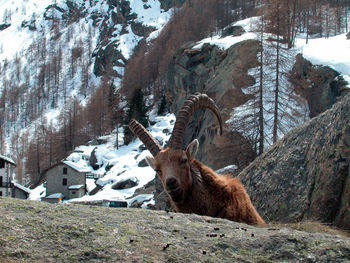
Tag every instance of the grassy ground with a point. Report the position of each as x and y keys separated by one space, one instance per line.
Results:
x=33 y=231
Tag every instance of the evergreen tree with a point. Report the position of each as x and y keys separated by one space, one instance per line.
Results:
x=138 y=111
x=162 y=106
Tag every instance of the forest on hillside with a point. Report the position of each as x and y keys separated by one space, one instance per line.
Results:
x=48 y=74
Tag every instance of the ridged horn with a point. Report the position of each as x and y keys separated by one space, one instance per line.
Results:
x=193 y=103
x=151 y=144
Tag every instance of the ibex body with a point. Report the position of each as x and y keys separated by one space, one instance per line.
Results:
x=192 y=186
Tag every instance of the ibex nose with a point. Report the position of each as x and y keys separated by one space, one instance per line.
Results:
x=171 y=183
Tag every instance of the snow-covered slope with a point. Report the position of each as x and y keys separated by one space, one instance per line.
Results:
x=333 y=52
x=50 y=51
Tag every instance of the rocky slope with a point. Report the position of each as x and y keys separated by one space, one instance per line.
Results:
x=40 y=232
x=320 y=85
x=306 y=174
x=223 y=75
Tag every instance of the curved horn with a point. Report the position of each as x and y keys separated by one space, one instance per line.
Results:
x=151 y=144
x=193 y=103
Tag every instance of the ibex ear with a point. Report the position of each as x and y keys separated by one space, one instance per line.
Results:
x=192 y=149
x=151 y=162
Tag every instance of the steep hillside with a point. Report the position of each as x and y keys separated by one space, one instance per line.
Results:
x=56 y=58
x=39 y=232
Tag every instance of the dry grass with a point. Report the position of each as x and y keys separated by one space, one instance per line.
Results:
x=314 y=227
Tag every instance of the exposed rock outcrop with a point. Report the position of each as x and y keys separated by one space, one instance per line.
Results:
x=93 y=160
x=233 y=31
x=4 y=26
x=306 y=174
x=126 y=183
x=221 y=74
x=320 y=85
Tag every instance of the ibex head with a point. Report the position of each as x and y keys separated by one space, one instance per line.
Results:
x=173 y=165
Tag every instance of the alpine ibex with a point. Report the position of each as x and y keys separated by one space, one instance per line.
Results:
x=192 y=186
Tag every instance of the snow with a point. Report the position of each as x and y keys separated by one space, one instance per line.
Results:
x=228 y=41
x=333 y=52
x=12 y=39
x=7 y=159
x=125 y=162
x=80 y=166
x=225 y=42
x=75 y=187
x=56 y=195
x=141 y=198
x=23 y=188
x=18 y=45
x=37 y=193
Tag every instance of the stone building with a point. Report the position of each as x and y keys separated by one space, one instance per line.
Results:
x=65 y=180
x=19 y=191
x=6 y=169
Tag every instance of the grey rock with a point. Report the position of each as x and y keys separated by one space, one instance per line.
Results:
x=142 y=163
x=233 y=31
x=93 y=160
x=322 y=86
x=125 y=184
x=305 y=176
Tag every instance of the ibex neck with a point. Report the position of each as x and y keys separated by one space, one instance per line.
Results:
x=196 y=200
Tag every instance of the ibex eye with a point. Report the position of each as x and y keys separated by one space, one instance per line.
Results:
x=183 y=160
x=158 y=171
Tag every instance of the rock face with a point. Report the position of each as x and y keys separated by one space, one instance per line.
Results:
x=108 y=52
x=320 y=85
x=221 y=75
x=306 y=174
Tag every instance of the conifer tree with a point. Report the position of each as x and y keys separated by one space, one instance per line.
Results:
x=137 y=110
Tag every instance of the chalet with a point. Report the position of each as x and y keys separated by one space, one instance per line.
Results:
x=19 y=191
x=6 y=169
x=65 y=180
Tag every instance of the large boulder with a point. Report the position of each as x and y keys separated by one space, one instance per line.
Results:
x=305 y=176
x=125 y=183
x=93 y=160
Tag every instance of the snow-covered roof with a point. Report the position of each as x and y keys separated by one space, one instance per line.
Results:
x=79 y=168
x=23 y=188
x=7 y=159
x=75 y=187
x=56 y=195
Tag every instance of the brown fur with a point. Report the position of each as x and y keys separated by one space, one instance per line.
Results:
x=202 y=191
